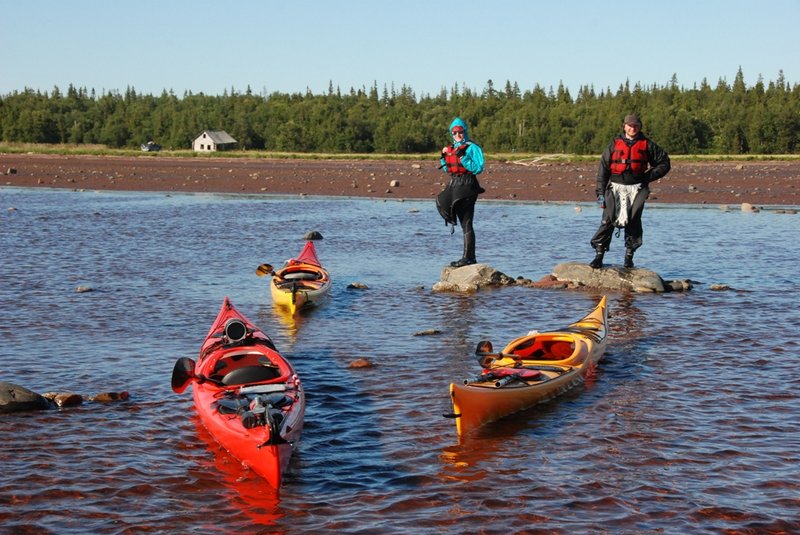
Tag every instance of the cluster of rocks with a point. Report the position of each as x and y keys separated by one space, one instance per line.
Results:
x=16 y=398
x=571 y=275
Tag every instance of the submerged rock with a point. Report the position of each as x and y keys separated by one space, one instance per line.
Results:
x=64 y=399
x=106 y=397
x=548 y=281
x=427 y=332
x=357 y=286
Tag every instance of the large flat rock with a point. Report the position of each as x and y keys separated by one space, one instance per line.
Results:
x=610 y=277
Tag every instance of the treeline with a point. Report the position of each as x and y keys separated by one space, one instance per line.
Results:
x=725 y=119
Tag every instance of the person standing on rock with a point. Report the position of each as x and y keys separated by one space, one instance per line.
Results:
x=628 y=165
x=463 y=161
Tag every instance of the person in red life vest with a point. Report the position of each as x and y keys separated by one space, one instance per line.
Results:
x=463 y=161
x=629 y=163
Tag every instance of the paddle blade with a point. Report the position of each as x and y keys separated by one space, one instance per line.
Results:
x=182 y=374
x=275 y=438
x=485 y=361
x=484 y=347
x=264 y=269
x=484 y=353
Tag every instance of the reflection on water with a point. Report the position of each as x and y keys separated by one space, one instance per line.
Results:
x=688 y=426
x=245 y=491
x=289 y=323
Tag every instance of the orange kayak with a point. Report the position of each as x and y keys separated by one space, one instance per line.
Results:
x=529 y=370
x=302 y=282
x=247 y=394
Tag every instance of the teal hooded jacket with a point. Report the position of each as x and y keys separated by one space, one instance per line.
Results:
x=473 y=157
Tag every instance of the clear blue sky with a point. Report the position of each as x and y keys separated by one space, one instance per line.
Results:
x=292 y=46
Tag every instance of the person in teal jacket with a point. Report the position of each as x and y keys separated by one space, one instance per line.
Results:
x=463 y=161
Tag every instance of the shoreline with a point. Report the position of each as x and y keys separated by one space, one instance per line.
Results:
x=760 y=183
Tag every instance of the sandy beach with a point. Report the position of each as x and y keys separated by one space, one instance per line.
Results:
x=728 y=182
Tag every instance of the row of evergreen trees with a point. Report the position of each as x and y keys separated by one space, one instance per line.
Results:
x=726 y=119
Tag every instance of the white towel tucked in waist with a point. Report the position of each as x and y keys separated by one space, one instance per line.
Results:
x=623 y=195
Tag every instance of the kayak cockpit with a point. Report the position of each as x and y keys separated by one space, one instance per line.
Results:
x=300 y=275
x=249 y=367
x=541 y=346
x=297 y=278
x=248 y=375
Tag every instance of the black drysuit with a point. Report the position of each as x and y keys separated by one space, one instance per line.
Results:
x=658 y=166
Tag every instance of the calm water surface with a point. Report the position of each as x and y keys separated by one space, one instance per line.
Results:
x=690 y=425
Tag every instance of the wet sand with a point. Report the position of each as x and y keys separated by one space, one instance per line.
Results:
x=726 y=182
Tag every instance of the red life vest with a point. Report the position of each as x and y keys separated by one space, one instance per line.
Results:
x=629 y=157
x=451 y=159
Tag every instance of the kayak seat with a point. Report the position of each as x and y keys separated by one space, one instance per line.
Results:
x=558 y=349
x=302 y=276
x=530 y=350
x=250 y=374
x=537 y=349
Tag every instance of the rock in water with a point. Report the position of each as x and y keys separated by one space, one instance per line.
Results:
x=470 y=278
x=14 y=398
x=106 y=397
x=64 y=399
x=612 y=277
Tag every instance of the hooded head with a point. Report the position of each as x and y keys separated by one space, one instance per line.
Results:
x=459 y=123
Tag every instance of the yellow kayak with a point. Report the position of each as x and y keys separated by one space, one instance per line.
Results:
x=529 y=370
x=301 y=283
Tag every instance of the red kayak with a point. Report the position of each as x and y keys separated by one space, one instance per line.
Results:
x=247 y=395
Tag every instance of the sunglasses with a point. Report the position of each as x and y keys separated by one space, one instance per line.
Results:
x=457 y=131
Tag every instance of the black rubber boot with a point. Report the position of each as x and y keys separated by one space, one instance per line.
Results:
x=597 y=263
x=468 y=257
x=463 y=262
x=628 y=259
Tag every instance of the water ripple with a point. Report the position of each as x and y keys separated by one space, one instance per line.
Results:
x=689 y=425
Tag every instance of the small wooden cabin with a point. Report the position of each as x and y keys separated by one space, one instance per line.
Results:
x=213 y=140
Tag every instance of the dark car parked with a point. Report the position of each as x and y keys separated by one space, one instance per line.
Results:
x=151 y=147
